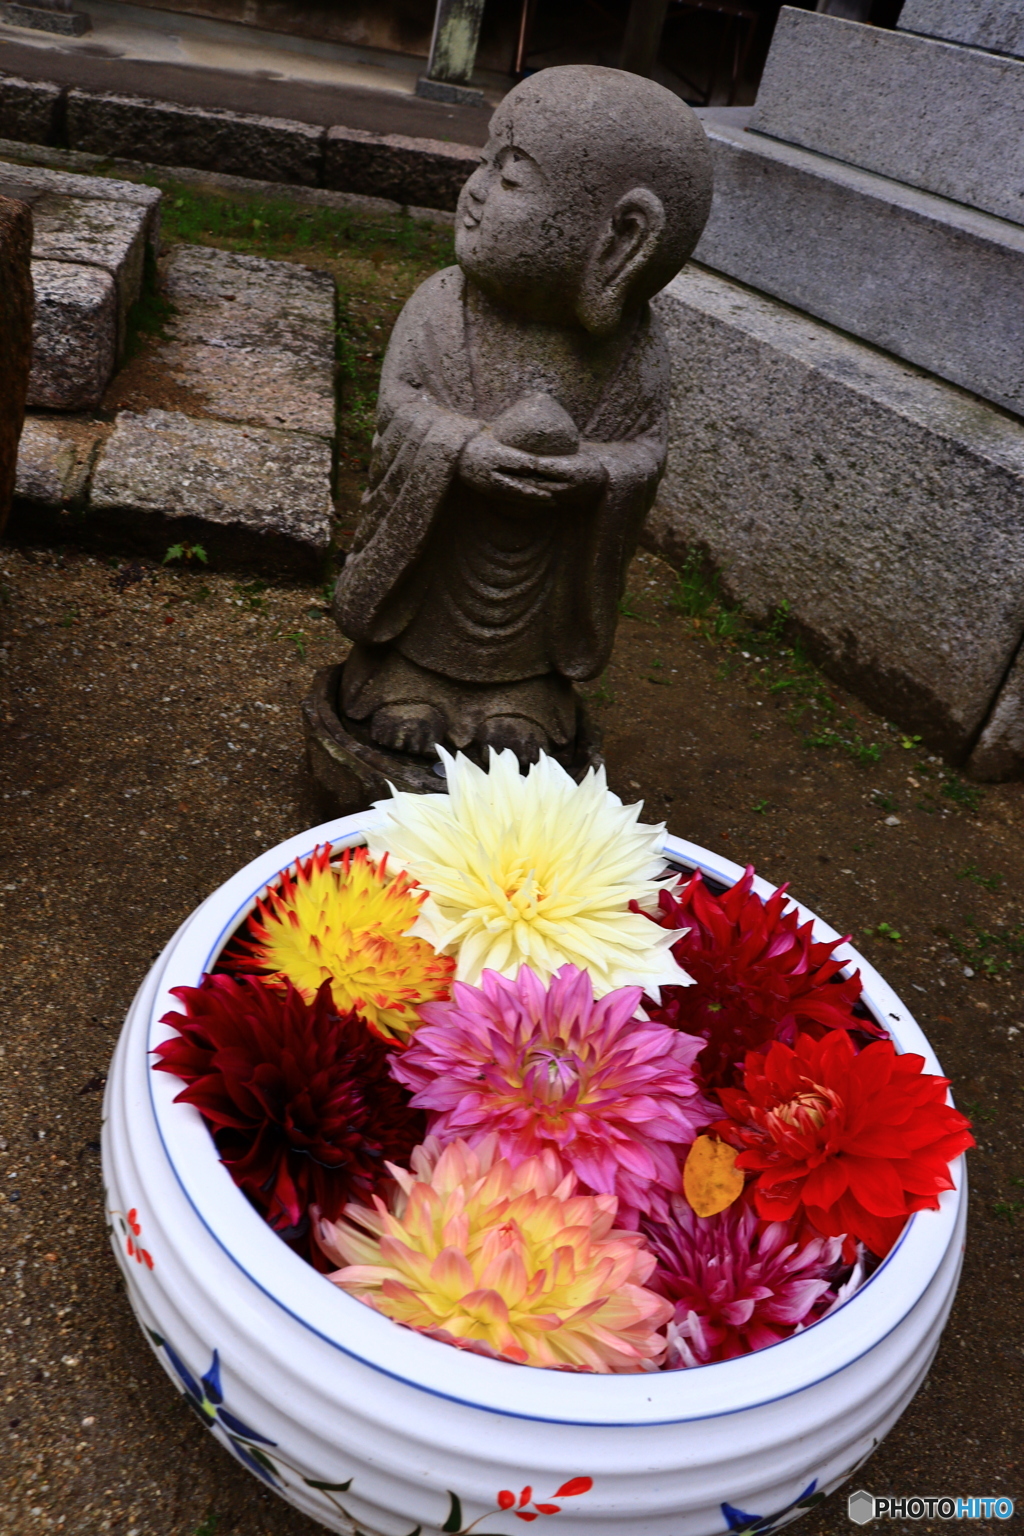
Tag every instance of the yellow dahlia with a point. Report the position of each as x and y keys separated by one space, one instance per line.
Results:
x=532 y=870
x=346 y=921
x=507 y=1262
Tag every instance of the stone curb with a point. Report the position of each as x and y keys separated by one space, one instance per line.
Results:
x=394 y=166
x=415 y=173
x=87 y=170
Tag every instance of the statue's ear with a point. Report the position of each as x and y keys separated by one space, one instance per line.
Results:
x=621 y=251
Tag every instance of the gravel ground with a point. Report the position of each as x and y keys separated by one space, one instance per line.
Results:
x=152 y=746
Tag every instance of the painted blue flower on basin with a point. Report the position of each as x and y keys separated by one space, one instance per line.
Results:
x=206 y=1398
x=738 y=1520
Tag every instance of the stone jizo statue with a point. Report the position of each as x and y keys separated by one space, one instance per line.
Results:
x=521 y=431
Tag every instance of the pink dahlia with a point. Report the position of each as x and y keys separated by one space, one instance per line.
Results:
x=549 y=1068
x=759 y=976
x=737 y=1285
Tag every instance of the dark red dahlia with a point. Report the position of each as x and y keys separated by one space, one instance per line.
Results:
x=759 y=976
x=299 y=1098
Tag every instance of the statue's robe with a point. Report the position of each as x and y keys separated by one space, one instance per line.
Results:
x=473 y=588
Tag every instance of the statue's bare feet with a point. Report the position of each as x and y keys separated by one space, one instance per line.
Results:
x=526 y=738
x=408 y=727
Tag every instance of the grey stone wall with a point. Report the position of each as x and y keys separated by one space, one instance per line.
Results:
x=885 y=507
x=995 y=24
x=925 y=278
x=927 y=113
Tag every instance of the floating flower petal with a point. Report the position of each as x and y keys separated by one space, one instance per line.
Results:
x=533 y=870
x=502 y=1261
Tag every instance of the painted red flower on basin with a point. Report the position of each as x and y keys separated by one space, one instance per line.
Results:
x=131 y=1228
x=759 y=975
x=858 y=1141
x=523 y=1506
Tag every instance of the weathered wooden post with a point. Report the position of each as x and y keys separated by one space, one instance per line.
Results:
x=15 y=338
x=453 y=53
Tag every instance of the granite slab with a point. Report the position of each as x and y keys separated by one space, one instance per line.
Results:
x=925 y=278
x=250 y=492
x=885 y=507
x=934 y=115
x=994 y=24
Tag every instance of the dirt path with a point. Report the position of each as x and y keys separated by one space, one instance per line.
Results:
x=152 y=746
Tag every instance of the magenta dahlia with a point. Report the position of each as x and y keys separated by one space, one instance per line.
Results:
x=298 y=1096
x=737 y=1284
x=613 y=1095
x=759 y=976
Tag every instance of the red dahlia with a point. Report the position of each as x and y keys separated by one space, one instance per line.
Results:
x=759 y=976
x=859 y=1141
x=299 y=1097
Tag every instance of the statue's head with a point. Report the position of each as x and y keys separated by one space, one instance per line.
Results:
x=592 y=192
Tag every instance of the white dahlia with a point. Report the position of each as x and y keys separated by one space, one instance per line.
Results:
x=533 y=870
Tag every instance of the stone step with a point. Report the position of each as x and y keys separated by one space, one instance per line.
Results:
x=255 y=338
x=994 y=24
x=91 y=233
x=74 y=335
x=248 y=472
x=932 y=114
x=35 y=180
x=927 y=279
x=55 y=459
x=259 y=497
x=88 y=253
x=884 y=506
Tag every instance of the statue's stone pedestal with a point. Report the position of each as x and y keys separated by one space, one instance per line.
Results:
x=355 y=772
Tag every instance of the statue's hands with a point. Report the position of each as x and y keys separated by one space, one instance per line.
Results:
x=511 y=475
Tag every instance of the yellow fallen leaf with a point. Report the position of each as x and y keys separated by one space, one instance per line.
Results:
x=711 y=1179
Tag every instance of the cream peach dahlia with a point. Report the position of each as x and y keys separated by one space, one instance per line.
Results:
x=502 y=1261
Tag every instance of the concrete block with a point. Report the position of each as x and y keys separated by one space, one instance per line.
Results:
x=55 y=457
x=15 y=337
x=95 y=234
x=65 y=23
x=925 y=278
x=928 y=113
x=74 y=336
x=885 y=507
x=163 y=133
x=416 y=172
x=34 y=181
x=253 y=338
x=253 y=494
x=29 y=110
x=999 y=754
x=994 y=24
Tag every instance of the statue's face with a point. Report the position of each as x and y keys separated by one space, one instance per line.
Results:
x=519 y=232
